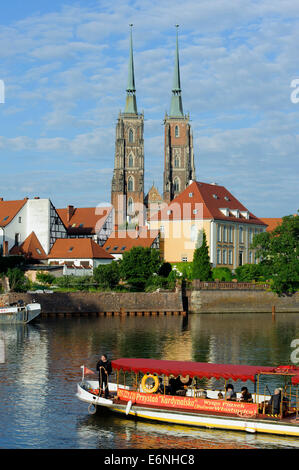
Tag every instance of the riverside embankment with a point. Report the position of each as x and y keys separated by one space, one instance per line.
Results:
x=221 y=299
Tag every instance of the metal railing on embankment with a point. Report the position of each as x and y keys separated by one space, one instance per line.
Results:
x=216 y=285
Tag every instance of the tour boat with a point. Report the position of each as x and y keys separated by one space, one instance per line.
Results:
x=19 y=313
x=145 y=393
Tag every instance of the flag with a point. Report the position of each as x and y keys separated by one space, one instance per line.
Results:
x=87 y=371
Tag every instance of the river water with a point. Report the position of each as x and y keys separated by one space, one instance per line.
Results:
x=40 y=366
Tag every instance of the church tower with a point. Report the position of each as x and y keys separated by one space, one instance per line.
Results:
x=179 y=166
x=127 y=192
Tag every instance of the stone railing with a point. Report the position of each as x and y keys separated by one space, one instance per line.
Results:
x=201 y=285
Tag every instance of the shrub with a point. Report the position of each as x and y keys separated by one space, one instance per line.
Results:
x=45 y=278
x=107 y=275
x=223 y=274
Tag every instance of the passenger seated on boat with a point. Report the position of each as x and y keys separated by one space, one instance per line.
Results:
x=203 y=394
x=275 y=401
x=220 y=396
x=230 y=393
x=245 y=395
x=178 y=383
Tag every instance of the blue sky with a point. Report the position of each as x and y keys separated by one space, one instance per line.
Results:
x=64 y=65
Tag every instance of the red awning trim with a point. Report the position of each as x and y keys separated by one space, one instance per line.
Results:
x=193 y=369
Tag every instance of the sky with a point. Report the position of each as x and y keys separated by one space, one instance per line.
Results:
x=64 y=68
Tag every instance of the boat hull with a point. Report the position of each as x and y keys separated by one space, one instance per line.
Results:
x=182 y=417
x=23 y=315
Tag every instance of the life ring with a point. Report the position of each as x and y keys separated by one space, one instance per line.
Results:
x=149 y=387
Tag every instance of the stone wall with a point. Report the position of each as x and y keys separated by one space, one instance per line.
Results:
x=89 y=302
x=240 y=301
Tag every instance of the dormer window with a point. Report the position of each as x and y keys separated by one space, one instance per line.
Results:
x=226 y=198
x=215 y=196
x=190 y=194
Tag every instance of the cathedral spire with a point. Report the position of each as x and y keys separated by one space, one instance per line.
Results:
x=131 y=105
x=176 y=107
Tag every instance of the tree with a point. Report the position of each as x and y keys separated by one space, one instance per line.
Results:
x=201 y=267
x=138 y=265
x=18 y=282
x=45 y=278
x=279 y=250
x=107 y=275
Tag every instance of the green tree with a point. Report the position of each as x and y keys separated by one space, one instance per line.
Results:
x=107 y=275
x=222 y=274
x=201 y=266
x=18 y=282
x=138 y=265
x=279 y=251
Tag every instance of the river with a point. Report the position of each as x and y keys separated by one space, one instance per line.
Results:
x=40 y=366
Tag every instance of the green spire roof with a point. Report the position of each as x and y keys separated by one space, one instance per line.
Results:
x=176 y=107
x=131 y=105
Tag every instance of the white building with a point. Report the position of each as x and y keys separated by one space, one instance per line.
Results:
x=18 y=219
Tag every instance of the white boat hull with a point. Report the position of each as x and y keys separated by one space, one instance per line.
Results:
x=17 y=314
x=181 y=417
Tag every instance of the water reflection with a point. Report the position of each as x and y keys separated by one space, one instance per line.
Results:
x=42 y=366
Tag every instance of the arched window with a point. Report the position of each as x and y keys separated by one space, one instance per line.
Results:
x=176 y=184
x=131 y=136
x=131 y=183
x=177 y=131
x=131 y=160
x=130 y=205
x=177 y=162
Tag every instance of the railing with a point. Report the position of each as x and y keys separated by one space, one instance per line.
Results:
x=216 y=285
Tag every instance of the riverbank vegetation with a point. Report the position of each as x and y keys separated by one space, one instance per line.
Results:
x=141 y=269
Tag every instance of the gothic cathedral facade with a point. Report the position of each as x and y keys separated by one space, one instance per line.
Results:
x=127 y=192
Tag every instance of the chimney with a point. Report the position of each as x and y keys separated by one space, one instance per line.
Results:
x=5 y=248
x=70 y=212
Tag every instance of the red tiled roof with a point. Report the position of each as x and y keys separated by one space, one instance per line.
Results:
x=9 y=209
x=187 y=205
x=31 y=248
x=83 y=220
x=124 y=240
x=271 y=222
x=77 y=248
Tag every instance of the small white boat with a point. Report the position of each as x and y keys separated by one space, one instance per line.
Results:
x=19 y=313
x=146 y=396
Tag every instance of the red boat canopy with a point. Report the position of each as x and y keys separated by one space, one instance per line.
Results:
x=193 y=369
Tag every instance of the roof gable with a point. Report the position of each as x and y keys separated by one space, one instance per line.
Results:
x=30 y=248
x=9 y=209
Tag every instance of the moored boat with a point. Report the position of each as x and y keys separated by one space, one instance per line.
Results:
x=172 y=392
x=19 y=313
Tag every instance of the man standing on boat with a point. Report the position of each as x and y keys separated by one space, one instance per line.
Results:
x=105 y=369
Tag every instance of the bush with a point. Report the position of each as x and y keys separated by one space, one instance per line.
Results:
x=165 y=270
x=252 y=272
x=183 y=269
x=45 y=278
x=107 y=275
x=138 y=265
x=223 y=274
x=156 y=282
x=18 y=282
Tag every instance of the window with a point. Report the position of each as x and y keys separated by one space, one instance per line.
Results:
x=123 y=248
x=230 y=233
x=250 y=257
x=218 y=256
x=224 y=256
x=177 y=162
x=131 y=136
x=225 y=234
x=215 y=196
x=131 y=161
x=230 y=257
x=176 y=184
x=20 y=220
x=190 y=194
x=38 y=251
x=250 y=235
x=184 y=258
x=130 y=205
x=71 y=248
x=241 y=235
x=115 y=248
x=177 y=131
x=218 y=233
x=131 y=183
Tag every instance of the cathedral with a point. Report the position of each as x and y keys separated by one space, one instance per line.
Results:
x=127 y=191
